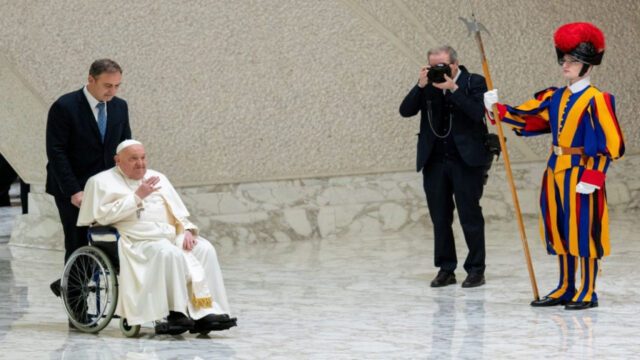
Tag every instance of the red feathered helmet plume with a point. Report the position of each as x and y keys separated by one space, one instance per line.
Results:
x=582 y=41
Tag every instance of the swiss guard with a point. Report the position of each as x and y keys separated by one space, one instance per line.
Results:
x=585 y=138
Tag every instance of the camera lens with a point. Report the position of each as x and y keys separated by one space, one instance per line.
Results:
x=436 y=73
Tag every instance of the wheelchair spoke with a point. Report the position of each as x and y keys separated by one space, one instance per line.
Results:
x=77 y=273
x=86 y=267
x=74 y=302
x=74 y=275
x=90 y=289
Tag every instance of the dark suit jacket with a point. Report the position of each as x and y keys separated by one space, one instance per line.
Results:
x=74 y=148
x=468 y=126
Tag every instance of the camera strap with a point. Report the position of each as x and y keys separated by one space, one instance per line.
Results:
x=429 y=116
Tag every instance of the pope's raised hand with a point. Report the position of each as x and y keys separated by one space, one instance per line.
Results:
x=148 y=186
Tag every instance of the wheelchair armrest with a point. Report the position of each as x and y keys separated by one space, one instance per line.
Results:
x=101 y=229
x=102 y=233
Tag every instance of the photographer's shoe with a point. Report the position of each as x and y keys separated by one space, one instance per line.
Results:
x=443 y=278
x=473 y=280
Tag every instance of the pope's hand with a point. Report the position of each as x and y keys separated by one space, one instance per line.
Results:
x=585 y=188
x=148 y=186
x=189 y=241
x=490 y=98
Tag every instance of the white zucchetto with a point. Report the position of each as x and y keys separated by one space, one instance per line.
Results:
x=126 y=144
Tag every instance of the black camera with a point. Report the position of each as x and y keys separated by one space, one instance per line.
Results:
x=492 y=144
x=436 y=73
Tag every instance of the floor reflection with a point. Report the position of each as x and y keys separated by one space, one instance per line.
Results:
x=158 y=348
x=351 y=298
x=576 y=333
x=443 y=324
x=13 y=298
x=473 y=341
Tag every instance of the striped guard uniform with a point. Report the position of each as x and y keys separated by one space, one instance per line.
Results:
x=586 y=137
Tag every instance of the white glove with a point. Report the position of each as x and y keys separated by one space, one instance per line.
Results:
x=490 y=98
x=585 y=188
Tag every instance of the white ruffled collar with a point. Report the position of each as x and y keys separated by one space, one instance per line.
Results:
x=580 y=85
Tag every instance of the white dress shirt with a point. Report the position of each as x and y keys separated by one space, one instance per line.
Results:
x=93 y=103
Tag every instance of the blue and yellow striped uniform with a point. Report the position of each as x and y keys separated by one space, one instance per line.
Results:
x=572 y=224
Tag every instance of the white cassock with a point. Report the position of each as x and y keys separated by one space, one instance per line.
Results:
x=156 y=274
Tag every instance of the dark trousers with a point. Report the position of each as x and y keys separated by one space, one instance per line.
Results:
x=74 y=236
x=7 y=177
x=447 y=178
x=24 y=196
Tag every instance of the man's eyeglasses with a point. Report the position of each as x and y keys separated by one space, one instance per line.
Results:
x=568 y=60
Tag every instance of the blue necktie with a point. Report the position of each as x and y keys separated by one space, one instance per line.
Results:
x=102 y=119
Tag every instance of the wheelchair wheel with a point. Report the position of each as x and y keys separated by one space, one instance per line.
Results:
x=127 y=330
x=89 y=289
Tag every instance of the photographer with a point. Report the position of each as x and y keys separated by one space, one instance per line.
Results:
x=452 y=157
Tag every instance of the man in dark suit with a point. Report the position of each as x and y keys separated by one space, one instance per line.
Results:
x=84 y=128
x=453 y=159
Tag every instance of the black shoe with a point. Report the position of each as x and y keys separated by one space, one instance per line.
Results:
x=443 y=278
x=473 y=280
x=55 y=288
x=214 y=318
x=581 y=305
x=165 y=329
x=213 y=322
x=548 y=301
x=177 y=323
x=179 y=319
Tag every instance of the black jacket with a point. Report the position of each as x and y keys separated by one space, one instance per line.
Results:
x=468 y=128
x=75 y=150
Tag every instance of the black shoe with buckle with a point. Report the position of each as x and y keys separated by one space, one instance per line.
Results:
x=580 y=305
x=548 y=301
x=443 y=278
x=473 y=280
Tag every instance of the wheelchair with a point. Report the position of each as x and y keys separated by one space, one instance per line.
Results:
x=89 y=283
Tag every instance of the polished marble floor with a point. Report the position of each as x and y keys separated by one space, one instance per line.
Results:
x=352 y=298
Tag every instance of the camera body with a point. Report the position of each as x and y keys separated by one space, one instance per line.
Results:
x=436 y=73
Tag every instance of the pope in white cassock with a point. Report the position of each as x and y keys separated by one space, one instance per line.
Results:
x=166 y=269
